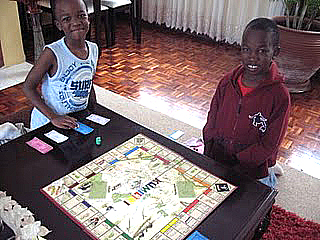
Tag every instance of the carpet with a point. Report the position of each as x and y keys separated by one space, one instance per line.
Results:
x=13 y=75
x=288 y=225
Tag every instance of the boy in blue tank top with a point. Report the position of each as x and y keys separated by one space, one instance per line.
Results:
x=65 y=68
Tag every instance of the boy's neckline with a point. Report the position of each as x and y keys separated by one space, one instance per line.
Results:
x=240 y=79
x=255 y=83
x=73 y=53
x=244 y=89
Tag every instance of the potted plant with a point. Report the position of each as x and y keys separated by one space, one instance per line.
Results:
x=35 y=11
x=300 y=43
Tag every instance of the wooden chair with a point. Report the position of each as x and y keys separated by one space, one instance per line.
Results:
x=134 y=12
x=98 y=13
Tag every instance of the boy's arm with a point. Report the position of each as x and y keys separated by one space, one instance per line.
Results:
x=211 y=119
x=33 y=80
x=257 y=154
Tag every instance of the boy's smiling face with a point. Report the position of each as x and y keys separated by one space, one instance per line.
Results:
x=72 y=19
x=257 y=51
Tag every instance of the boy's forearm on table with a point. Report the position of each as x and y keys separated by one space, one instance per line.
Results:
x=257 y=153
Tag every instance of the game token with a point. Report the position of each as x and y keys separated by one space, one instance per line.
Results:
x=98 y=140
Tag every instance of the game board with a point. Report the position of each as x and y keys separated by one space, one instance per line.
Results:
x=138 y=190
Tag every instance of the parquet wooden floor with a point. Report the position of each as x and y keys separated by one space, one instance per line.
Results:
x=177 y=74
x=169 y=72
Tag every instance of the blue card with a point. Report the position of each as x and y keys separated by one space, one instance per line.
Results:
x=197 y=236
x=84 y=129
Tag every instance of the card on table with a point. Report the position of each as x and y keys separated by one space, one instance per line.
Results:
x=196 y=235
x=176 y=134
x=39 y=145
x=56 y=136
x=82 y=128
x=98 y=119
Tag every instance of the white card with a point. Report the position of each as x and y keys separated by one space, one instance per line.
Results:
x=98 y=119
x=176 y=134
x=56 y=136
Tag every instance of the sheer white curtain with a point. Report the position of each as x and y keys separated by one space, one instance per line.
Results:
x=220 y=19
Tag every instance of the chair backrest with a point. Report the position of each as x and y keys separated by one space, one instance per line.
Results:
x=48 y=4
x=115 y=3
x=52 y=8
x=95 y=6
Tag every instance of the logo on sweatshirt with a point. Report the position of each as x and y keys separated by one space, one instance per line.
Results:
x=259 y=121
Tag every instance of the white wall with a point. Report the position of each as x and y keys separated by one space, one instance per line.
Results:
x=10 y=34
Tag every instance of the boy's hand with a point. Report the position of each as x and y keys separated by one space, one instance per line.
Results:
x=64 y=121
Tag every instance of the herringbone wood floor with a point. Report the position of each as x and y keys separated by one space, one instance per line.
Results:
x=177 y=73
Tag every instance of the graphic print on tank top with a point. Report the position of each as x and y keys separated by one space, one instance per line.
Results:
x=76 y=85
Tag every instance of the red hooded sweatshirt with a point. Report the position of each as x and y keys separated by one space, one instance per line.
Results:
x=247 y=130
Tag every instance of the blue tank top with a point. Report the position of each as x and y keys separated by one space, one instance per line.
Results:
x=69 y=88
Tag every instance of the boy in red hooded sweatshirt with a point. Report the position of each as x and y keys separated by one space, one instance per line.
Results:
x=248 y=115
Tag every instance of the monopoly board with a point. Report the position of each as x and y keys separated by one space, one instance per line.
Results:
x=138 y=190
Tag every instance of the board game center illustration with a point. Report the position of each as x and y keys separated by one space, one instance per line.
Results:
x=138 y=190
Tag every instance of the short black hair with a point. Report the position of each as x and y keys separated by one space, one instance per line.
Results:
x=267 y=25
x=53 y=4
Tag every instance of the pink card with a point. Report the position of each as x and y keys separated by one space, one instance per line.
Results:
x=39 y=145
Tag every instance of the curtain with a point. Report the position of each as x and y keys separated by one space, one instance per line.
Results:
x=219 y=19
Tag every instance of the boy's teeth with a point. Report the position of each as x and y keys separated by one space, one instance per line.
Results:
x=252 y=66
